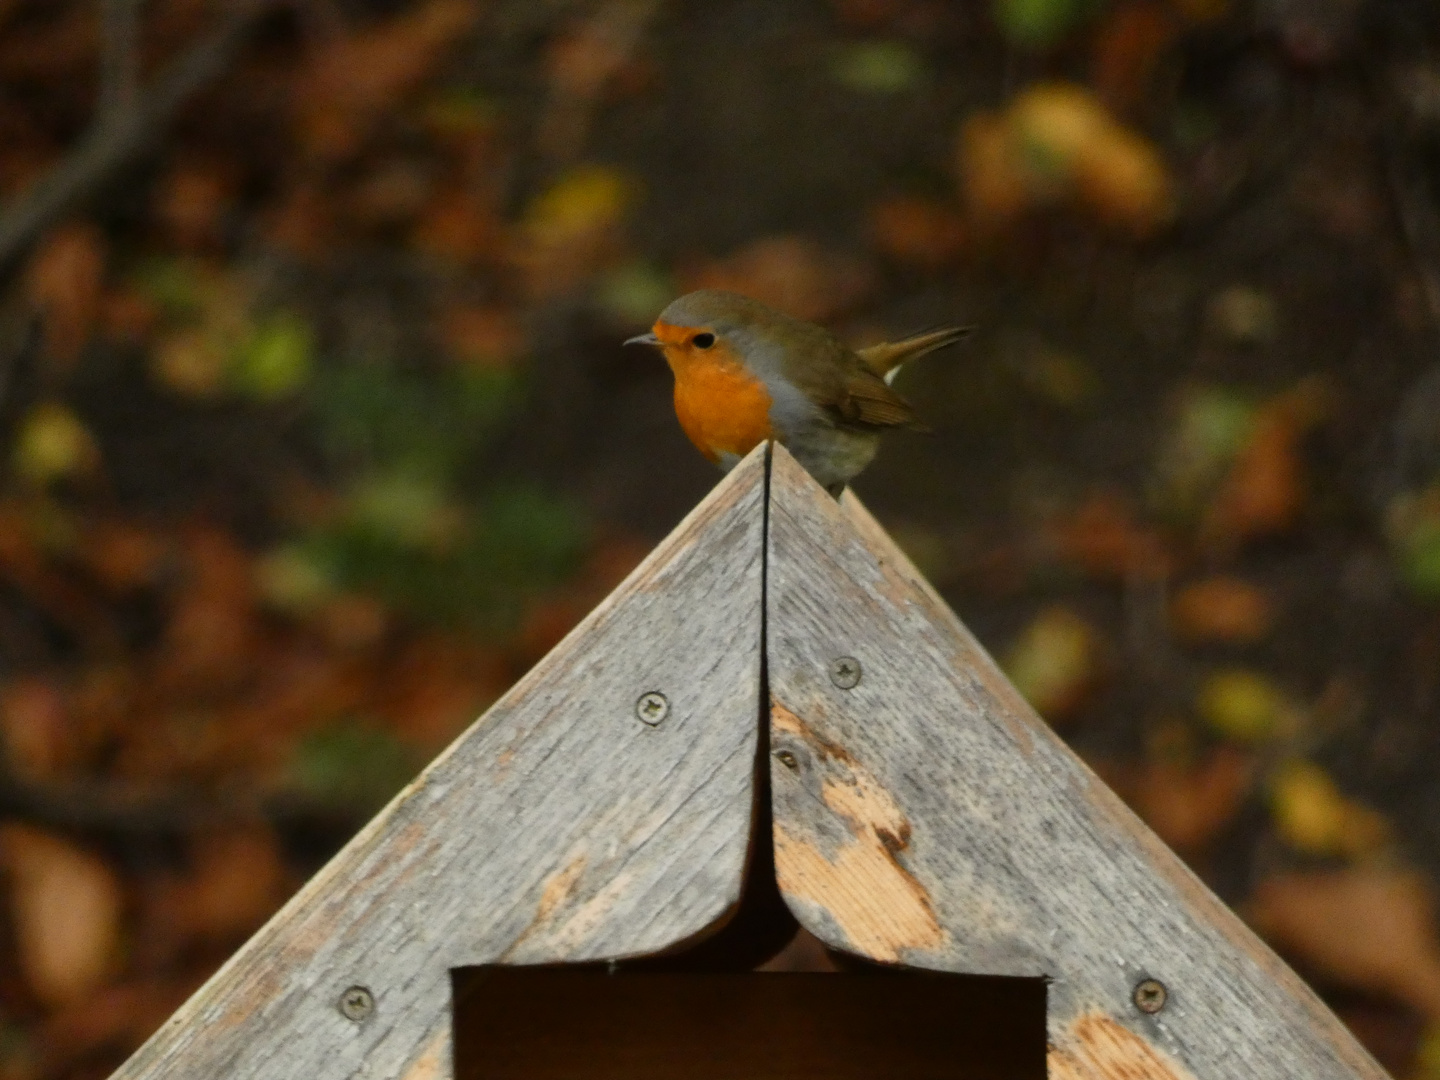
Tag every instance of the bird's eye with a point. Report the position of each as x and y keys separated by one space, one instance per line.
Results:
x=703 y=341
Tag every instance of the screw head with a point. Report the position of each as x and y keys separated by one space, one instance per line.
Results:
x=652 y=708
x=845 y=672
x=1150 y=996
x=786 y=758
x=357 y=1003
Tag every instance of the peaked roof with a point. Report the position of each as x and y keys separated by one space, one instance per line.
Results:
x=922 y=815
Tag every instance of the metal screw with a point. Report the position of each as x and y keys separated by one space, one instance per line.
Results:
x=845 y=672
x=788 y=759
x=357 y=1003
x=652 y=708
x=1150 y=996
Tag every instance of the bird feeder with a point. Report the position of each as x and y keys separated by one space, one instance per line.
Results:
x=775 y=704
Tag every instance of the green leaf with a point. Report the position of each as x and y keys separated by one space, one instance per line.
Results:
x=878 y=67
x=352 y=764
x=277 y=360
x=1038 y=24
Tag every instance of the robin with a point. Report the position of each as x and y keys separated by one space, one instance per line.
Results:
x=745 y=373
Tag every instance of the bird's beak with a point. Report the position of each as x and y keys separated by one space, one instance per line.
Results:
x=644 y=339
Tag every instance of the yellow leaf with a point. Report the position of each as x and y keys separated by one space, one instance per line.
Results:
x=53 y=445
x=1314 y=817
x=586 y=198
x=66 y=907
x=1246 y=706
x=1055 y=662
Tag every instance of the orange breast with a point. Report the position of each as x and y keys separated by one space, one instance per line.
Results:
x=722 y=407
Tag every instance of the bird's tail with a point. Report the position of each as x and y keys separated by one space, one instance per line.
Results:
x=886 y=358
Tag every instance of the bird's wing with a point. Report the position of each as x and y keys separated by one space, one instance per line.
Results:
x=885 y=358
x=867 y=400
x=843 y=385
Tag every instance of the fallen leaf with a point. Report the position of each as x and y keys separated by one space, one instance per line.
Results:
x=65 y=281
x=1104 y=538
x=191 y=363
x=235 y=881
x=36 y=732
x=356 y=79
x=123 y=555
x=1247 y=706
x=792 y=274
x=1128 y=49
x=1264 y=491
x=1224 y=609
x=1241 y=315
x=66 y=908
x=192 y=201
x=1038 y=24
x=391 y=194
x=114 y=1019
x=1368 y=927
x=1314 y=817
x=917 y=231
x=1207 y=429
x=1055 y=663
x=1187 y=804
x=458 y=226
x=54 y=444
x=573 y=228
x=993 y=177
x=211 y=639
x=878 y=67
x=483 y=337
x=1055 y=144
x=277 y=359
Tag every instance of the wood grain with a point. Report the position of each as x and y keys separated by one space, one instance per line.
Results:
x=557 y=828
x=928 y=817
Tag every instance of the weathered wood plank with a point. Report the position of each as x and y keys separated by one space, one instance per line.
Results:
x=927 y=816
x=559 y=827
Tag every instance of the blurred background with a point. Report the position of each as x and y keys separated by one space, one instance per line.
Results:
x=316 y=431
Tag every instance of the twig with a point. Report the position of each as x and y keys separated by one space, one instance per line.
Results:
x=119 y=57
x=123 y=809
x=121 y=130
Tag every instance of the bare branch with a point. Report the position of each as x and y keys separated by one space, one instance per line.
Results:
x=119 y=57
x=117 y=135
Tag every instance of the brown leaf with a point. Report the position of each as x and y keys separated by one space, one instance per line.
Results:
x=1221 y=609
x=482 y=337
x=65 y=280
x=66 y=907
x=917 y=231
x=37 y=735
x=1104 y=538
x=353 y=81
x=1056 y=663
x=457 y=226
x=115 y=1018
x=236 y=881
x=123 y=555
x=1369 y=927
x=438 y=686
x=1128 y=49
x=211 y=640
x=1264 y=491
x=792 y=274
x=1188 y=804
x=191 y=202
x=993 y=180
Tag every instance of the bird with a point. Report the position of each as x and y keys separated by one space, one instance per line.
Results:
x=745 y=372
